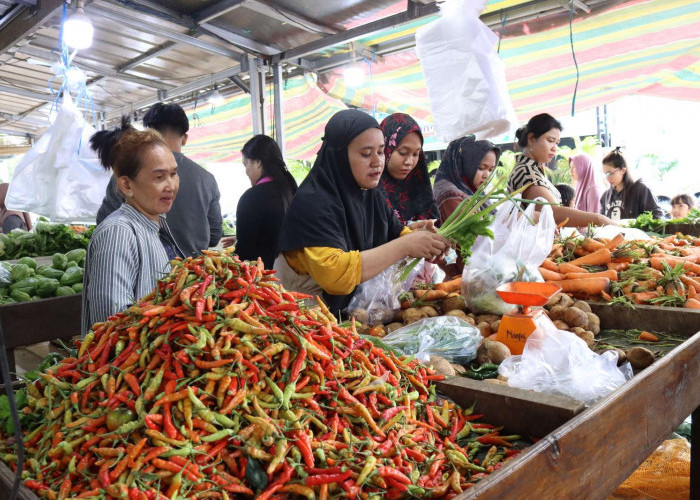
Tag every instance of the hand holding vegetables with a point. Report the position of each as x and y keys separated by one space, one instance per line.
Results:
x=424 y=245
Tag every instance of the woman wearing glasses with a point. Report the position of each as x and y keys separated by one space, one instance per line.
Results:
x=626 y=198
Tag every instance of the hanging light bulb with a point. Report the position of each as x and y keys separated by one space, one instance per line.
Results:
x=354 y=75
x=78 y=30
x=215 y=98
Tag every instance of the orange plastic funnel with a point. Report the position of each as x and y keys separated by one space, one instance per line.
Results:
x=527 y=294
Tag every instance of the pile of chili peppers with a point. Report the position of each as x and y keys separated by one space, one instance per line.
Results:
x=222 y=384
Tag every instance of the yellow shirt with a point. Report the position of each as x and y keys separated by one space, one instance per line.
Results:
x=336 y=271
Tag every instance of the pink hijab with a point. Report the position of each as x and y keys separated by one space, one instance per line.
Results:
x=588 y=193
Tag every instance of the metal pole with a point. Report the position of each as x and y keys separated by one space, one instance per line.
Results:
x=279 y=105
x=255 y=94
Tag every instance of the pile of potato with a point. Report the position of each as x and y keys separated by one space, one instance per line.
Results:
x=574 y=316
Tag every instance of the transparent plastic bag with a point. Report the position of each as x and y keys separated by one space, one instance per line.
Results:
x=60 y=177
x=447 y=336
x=376 y=301
x=474 y=98
x=558 y=362
x=514 y=254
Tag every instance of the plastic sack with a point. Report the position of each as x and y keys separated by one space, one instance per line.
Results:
x=376 y=301
x=448 y=336
x=558 y=362
x=514 y=254
x=664 y=475
x=464 y=73
x=60 y=177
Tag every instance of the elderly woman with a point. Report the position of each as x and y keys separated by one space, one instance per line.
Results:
x=132 y=248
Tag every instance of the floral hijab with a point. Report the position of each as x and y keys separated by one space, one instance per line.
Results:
x=411 y=198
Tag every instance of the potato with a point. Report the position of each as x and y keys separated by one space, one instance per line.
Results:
x=561 y=325
x=554 y=301
x=461 y=315
x=487 y=318
x=495 y=325
x=453 y=303
x=587 y=336
x=492 y=352
x=557 y=313
x=593 y=323
x=640 y=357
x=575 y=317
x=393 y=326
x=459 y=369
x=566 y=301
x=472 y=315
x=485 y=329
x=360 y=315
x=429 y=311
x=621 y=356
x=577 y=330
x=441 y=365
x=580 y=304
x=362 y=329
x=412 y=315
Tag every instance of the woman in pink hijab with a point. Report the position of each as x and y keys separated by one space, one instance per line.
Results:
x=588 y=193
x=10 y=219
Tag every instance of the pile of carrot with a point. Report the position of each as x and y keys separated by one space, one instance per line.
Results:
x=220 y=384
x=665 y=271
x=432 y=294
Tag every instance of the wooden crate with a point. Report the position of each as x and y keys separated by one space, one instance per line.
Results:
x=672 y=320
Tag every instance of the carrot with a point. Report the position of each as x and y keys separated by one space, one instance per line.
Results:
x=692 y=293
x=567 y=267
x=618 y=266
x=658 y=263
x=692 y=304
x=590 y=245
x=453 y=285
x=648 y=336
x=641 y=297
x=597 y=258
x=685 y=258
x=610 y=274
x=430 y=295
x=615 y=242
x=590 y=286
x=550 y=265
x=551 y=275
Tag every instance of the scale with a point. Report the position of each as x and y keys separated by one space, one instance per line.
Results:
x=518 y=325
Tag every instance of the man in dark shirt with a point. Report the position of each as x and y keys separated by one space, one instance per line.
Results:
x=198 y=198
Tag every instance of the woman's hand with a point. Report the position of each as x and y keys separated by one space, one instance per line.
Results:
x=424 y=245
x=423 y=225
x=605 y=221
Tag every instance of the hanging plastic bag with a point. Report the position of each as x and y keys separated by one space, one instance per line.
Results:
x=464 y=73
x=447 y=336
x=558 y=362
x=376 y=301
x=60 y=177
x=514 y=254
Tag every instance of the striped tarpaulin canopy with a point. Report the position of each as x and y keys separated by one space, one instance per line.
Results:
x=218 y=134
x=648 y=47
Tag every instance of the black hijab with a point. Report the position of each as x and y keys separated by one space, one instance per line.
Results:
x=461 y=161
x=330 y=209
x=412 y=197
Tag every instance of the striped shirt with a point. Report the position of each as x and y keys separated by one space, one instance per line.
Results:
x=125 y=259
x=527 y=171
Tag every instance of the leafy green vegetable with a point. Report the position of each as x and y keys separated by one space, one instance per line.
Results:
x=647 y=222
x=45 y=239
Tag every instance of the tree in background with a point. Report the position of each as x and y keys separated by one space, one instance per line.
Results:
x=587 y=145
x=656 y=165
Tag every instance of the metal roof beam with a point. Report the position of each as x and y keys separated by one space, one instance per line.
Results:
x=271 y=9
x=175 y=92
x=18 y=133
x=216 y=10
x=146 y=56
x=21 y=26
x=51 y=56
x=37 y=96
x=239 y=40
x=29 y=120
x=413 y=12
x=139 y=24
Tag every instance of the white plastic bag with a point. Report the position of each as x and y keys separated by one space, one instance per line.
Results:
x=376 y=301
x=558 y=362
x=464 y=73
x=448 y=336
x=515 y=253
x=60 y=177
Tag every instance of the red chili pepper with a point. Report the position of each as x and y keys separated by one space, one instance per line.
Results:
x=296 y=366
x=494 y=440
x=471 y=418
x=319 y=479
x=511 y=452
x=304 y=446
x=391 y=412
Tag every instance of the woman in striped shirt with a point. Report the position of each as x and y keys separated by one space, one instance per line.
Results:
x=539 y=140
x=132 y=248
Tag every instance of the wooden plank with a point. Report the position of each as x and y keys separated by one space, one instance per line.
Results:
x=695 y=455
x=688 y=229
x=29 y=323
x=592 y=454
x=7 y=477
x=519 y=411
x=672 y=320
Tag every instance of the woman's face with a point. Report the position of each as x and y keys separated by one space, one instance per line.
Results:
x=679 y=210
x=253 y=169
x=614 y=176
x=366 y=156
x=153 y=190
x=572 y=171
x=486 y=166
x=405 y=156
x=544 y=148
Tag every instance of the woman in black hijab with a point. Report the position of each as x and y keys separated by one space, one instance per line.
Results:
x=405 y=180
x=339 y=231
